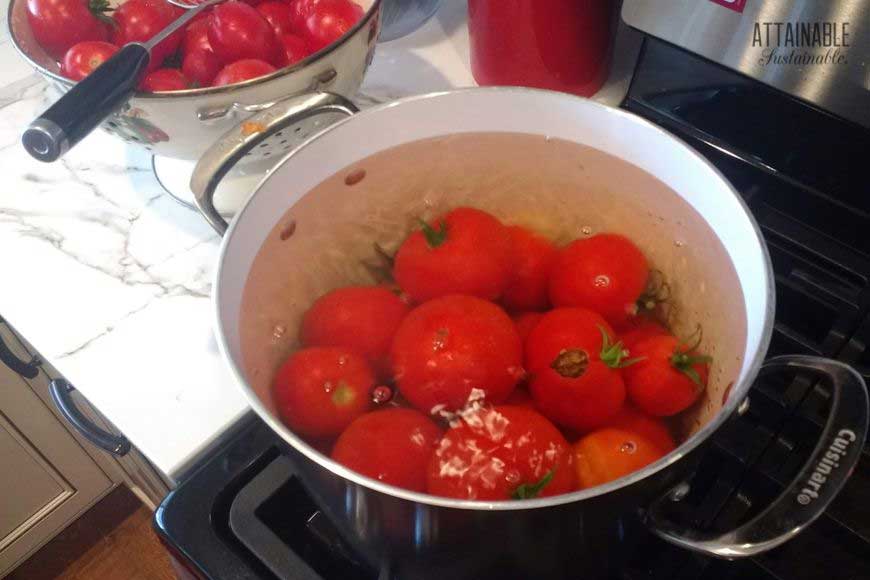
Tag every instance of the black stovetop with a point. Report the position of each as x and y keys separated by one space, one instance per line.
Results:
x=243 y=515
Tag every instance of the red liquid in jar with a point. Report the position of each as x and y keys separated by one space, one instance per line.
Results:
x=550 y=44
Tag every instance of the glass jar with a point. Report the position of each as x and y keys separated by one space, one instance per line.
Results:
x=561 y=45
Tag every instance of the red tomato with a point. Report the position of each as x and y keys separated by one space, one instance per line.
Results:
x=242 y=70
x=201 y=66
x=393 y=446
x=501 y=453
x=525 y=322
x=653 y=429
x=640 y=329
x=454 y=347
x=465 y=251
x=608 y=454
x=278 y=15
x=606 y=273
x=59 y=24
x=329 y=20
x=195 y=36
x=320 y=391
x=139 y=20
x=299 y=10
x=668 y=378
x=533 y=257
x=574 y=371
x=295 y=48
x=82 y=58
x=363 y=318
x=164 y=79
x=237 y=31
x=520 y=397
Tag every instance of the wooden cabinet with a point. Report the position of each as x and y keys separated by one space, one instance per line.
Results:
x=46 y=476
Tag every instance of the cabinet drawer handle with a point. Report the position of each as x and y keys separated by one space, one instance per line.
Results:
x=28 y=370
x=61 y=394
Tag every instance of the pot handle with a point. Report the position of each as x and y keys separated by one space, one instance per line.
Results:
x=238 y=141
x=807 y=496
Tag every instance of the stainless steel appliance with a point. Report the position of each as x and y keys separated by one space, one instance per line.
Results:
x=817 y=50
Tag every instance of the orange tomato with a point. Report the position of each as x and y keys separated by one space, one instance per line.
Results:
x=610 y=453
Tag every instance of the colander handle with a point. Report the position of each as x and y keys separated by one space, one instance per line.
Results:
x=86 y=105
x=808 y=494
x=237 y=142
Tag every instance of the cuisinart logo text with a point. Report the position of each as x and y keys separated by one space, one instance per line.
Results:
x=826 y=464
x=801 y=43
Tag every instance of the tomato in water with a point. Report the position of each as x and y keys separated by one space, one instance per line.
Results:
x=669 y=377
x=610 y=453
x=606 y=273
x=393 y=446
x=319 y=391
x=526 y=322
x=501 y=453
x=164 y=79
x=299 y=10
x=454 y=348
x=465 y=251
x=278 y=15
x=652 y=428
x=574 y=365
x=533 y=258
x=236 y=31
x=139 y=20
x=57 y=25
x=82 y=58
x=195 y=36
x=640 y=329
x=242 y=70
x=363 y=318
x=329 y=20
x=295 y=48
x=201 y=66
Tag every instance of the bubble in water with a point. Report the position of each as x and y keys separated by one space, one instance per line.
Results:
x=601 y=281
x=382 y=394
x=342 y=360
x=279 y=331
x=440 y=341
x=512 y=476
x=679 y=243
x=586 y=231
x=628 y=447
x=328 y=386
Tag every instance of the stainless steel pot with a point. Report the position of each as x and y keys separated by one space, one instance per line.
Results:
x=183 y=124
x=574 y=167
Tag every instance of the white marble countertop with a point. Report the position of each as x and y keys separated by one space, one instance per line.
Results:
x=110 y=278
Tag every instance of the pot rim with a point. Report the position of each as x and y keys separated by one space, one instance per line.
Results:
x=374 y=10
x=736 y=396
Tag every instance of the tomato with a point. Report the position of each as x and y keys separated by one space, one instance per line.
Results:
x=653 y=429
x=295 y=48
x=320 y=391
x=606 y=273
x=299 y=10
x=393 y=446
x=57 y=25
x=164 y=79
x=640 y=329
x=237 y=31
x=501 y=453
x=668 y=378
x=329 y=20
x=533 y=258
x=609 y=454
x=82 y=58
x=363 y=318
x=195 y=36
x=521 y=397
x=201 y=66
x=525 y=322
x=242 y=70
x=278 y=15
x=575 y=379
x=139 y=20
x=465 y=251
x=454 y=348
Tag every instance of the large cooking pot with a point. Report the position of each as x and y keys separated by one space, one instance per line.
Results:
x=183 y=124
x=569 y=167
